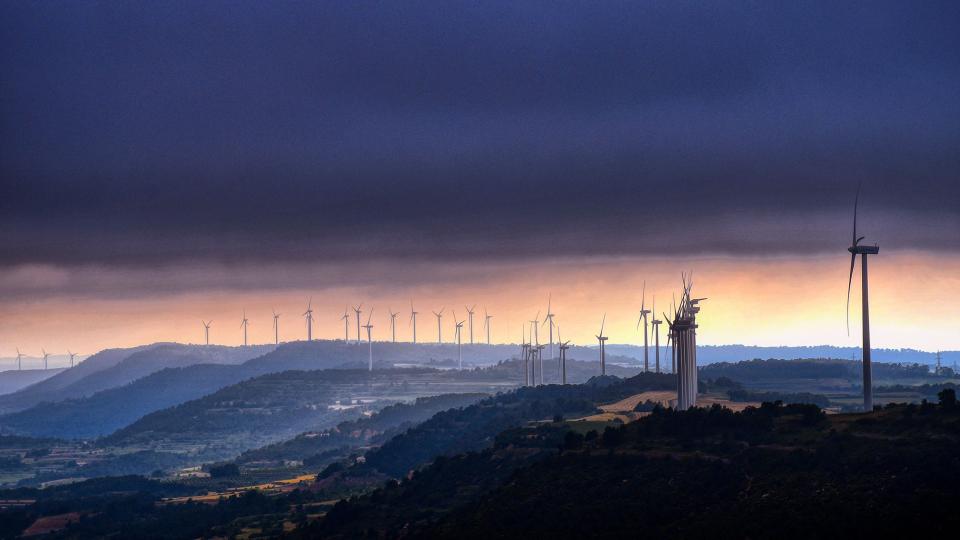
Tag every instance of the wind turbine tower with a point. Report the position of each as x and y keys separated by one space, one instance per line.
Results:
x=486 y=323
x=549 y=319
x=602 y=340
x=563 y=345
x=346 y=325
x=358 y=311
x=525 y=354
x=439 y=315
x=276 y=328
x=643 y=317
x=470 y=319
x=863 y=251
x=45 y=356
x=393 y=325
x=309 y=315
x=656 y=334
x=413 y=320
x=683 y=332
x=206 y=330
x=244 y=324
x=72 y=356
x=369 y=327
x=19 y=360
x=459 y=331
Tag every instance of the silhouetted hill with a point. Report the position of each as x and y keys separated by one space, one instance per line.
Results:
x=15 y=379
x=117 y=367
x=278 y=406
x=769 y=472
x=816 y=374
x=375 y=429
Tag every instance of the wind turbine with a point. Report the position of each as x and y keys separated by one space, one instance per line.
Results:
x=863 y=251
x=486 y=323
x=276 y=328
x=71 y=355
x=656 y=332
x=45 y=356
x=309 y=315
x=413 y=320
x=439 y=328
x=523 y=353
x=369 y=327
x=602 y=340
x=549 y=318
x=643 y=317
x=206 y=330
x=358 y=311
x=19 y=360
x=470 y=318
x=346 y=324
x=535 y=341
x=563 y=345
x=243 y=324
x=459 y=331
x=393 y=324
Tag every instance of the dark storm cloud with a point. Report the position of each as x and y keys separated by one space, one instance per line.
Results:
x=138 y=133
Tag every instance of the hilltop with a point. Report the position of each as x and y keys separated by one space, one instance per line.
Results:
x=117 y=367
x=704 y=472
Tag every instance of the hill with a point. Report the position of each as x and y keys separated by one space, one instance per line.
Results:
x=278 y=406
x=15 y=379
x=117 y=367
x=773 y=471
x=314 y=447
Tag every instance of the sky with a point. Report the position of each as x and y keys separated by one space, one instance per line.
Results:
x=166 y=162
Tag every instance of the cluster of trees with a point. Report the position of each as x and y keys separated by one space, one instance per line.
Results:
x=775 y=470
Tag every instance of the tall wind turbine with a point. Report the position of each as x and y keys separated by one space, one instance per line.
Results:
x=549 y=319
x=656 y=333
x=459 y=331
x=369 y=327
x=19 y=360
x=863 y=251
x=486 y=323
x=346 y=324
x=393 y=324
x=643 y=317
x=413 y=320
x=523 y=354
x=206 y=330
x=563 y=345
x=439 y=315
x=45 y=356
x=71 y=355
x=470 y=318
x=602 y=339
x=243 y=324
x=276 y=328
x=535 y=341
x=309 y=317
x=358 y=311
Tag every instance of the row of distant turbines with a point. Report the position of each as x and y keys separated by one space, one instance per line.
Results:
x=46 y=358
x=358 y=310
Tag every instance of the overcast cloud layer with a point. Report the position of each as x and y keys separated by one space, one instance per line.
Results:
x=145 y=132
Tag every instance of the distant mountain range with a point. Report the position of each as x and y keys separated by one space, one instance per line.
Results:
x=116 y=367
x=13 y=380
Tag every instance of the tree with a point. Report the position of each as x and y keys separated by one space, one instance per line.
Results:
x=948 y=398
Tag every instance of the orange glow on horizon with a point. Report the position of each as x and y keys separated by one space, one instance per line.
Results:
x=754 y=301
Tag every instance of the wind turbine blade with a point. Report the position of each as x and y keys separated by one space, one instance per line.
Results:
x=602 y=323
x=853 y=263
x=856 y=202
x=643 y=299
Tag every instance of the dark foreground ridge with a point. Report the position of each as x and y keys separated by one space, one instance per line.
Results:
x=773 y=471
